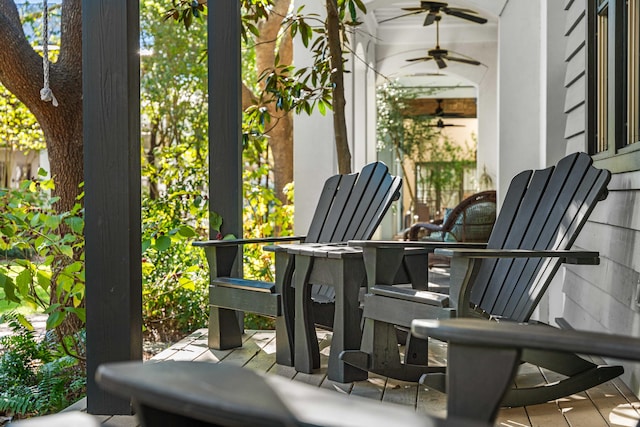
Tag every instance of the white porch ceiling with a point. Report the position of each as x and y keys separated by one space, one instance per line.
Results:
x=400 y=39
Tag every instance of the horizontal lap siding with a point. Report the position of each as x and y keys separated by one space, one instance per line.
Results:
x=575 y=58
x=604 y=297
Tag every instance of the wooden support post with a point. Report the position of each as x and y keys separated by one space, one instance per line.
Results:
x=111 y=88
x=225 y=117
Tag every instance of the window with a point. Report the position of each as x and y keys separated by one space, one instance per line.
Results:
x=614 y=84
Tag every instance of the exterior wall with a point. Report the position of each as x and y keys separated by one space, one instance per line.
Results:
x=314 y=156
x=604 y=297
x=20 y=166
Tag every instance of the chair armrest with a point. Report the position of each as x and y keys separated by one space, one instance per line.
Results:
x=415 y=228
x=237 y=242
x=483 y=333
x=399 y=244
x=568 y=256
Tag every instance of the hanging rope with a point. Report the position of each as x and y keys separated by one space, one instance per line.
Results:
x=46 y=94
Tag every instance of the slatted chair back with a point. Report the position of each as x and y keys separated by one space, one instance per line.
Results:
x=543 y=210
x=351 y=206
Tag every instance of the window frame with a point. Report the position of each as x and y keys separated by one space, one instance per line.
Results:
x=619 y=156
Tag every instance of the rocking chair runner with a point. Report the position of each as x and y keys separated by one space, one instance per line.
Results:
x=489 y=353
x=542 y=214
x=350 y=207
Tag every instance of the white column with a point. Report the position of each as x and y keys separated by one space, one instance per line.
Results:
x=313 y=138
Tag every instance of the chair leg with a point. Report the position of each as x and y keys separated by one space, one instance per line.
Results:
x=416 y=351
x=478 y=379
x=379 y=353
x=284 y=354
x=224 y=329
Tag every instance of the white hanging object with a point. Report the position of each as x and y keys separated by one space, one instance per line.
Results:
x=46 y=94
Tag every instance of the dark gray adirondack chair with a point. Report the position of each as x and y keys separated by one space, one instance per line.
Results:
x=197 y=394
x=350 y=207
x=542 y=214
x=490 y=353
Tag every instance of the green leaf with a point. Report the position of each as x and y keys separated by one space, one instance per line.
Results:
x=187 y=231
x=352 y=11
x=146 y=244
x=23 y=280
x=52 y=221
x=66 y=250
x=321 y=108
x=24 y=322
x=9 y=288
x=215 y=221
x=75 y=223
x=55 y=319
x=8 y=230
x=53 y=307
x=44 y=280
x=361 y=6
x=80 y=312
x=73 y=267
x=162 y=243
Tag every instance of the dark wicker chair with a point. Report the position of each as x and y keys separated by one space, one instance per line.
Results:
x=470 y=222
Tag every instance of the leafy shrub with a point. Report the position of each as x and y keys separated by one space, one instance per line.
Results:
x=36 y=376
x=48 y=249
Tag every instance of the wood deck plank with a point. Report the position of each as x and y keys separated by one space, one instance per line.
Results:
x=544 y=414
x=578 y=408
x=400 y=392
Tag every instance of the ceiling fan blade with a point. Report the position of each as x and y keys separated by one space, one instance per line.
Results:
x=463 y=60
x=463 y=13
x=429 y=19
x=440 y=62
x=414 y=11
x=424 y=58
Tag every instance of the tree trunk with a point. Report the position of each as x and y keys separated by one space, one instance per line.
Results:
x=281 y=133
x=337 y=79
x=21 y=73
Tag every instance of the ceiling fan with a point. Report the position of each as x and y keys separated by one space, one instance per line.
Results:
x=441 y=125
x=434 y=8
x=439 y=55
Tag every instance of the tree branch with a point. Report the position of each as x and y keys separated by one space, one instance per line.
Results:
x=71 y=36
x=20 y=70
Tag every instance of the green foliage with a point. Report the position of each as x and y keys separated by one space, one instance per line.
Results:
x=175 y=279
x=176 y=210
x=301 y=90
x=407 y=135
x=19 y=129
x=174 y=165
x=36 y=377
x=264 y=214
x=54 y=243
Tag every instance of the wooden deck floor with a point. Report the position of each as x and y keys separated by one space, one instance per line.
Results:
x=611 y=404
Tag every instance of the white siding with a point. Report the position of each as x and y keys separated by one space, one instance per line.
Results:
x=604 y=297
